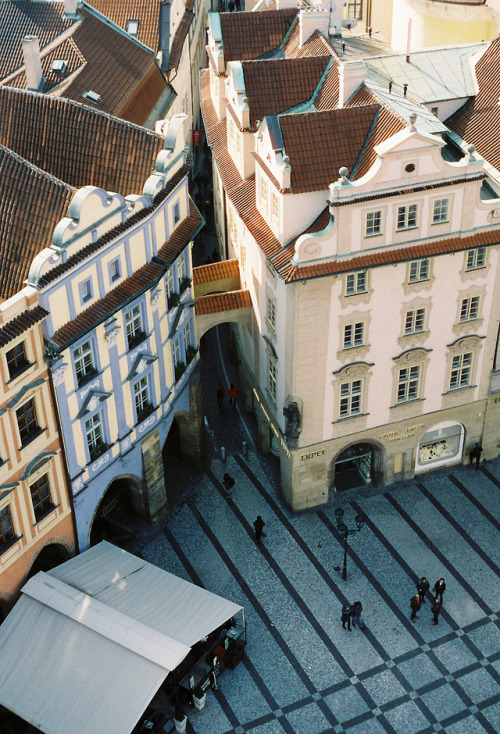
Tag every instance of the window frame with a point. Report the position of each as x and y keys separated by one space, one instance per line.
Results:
x=271 y=311
x=130 y=22
x=409 y=380
x=6 y=540
x=350 y=398
x=407 y=217
x=355 y=277
x=114 y=270
x=97 y=442
x=415 y=270
x=26 y=433
x=20 y=364
x=176 y=212
x=136 y=334
x=86 y=291
x=373 y=227
x=469 y=309
x=458 y=369
x=440 y=213
x=272 y=377
x=89 y=373
x=44 y=505
x=475 y=258
x=414 y=321
x=354 y=335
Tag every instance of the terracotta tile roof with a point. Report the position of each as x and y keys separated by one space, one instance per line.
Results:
x=222 y=302
x=101 y=59
x=141 y=281
x=32 y=203
x=146 y=95
x=181 y=236
x=26 y=18
x=276 y=85
x=216 y=271
x=283 y=258
x=147 y=12
x=248 y=35
x=99 y=150
x=316 y=45
x=327 y=97
x=180 y=36
x=18 y=325
x=270 y=174
x=388 y=256
x=243 y=197
x=319 y=143
x=478 y=121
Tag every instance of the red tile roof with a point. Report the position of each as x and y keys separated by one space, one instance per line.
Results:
x=18 y=325
x=248 y=35
x=147 y=12
x=181 y=236
x=316 y=44
x=478 y=121
x=216 y=271
x=222 y=302
x=180 y=36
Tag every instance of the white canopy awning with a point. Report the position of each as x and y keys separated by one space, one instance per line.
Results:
x=88 y=644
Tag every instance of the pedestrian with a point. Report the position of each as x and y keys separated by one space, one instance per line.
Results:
x=259 y=527
x=233 y=394
x=422 y=588
x=436 y=609
x=237 y=5
x=440 y=588
x=415 y=603
x=356 y=610
x=346 y=616
x=475 y=454
x=231 y=6
x=228 y=483
x=220 y=392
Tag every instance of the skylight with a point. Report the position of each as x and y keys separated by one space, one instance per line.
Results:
x=59 y=66
x=133 y=27
x=92 y=96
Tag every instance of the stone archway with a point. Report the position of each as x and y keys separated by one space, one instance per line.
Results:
x=356 y=465
x=115 y=516
x=50 y=556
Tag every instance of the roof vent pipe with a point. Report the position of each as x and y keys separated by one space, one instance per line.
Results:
x=408 y=43
x=70 y=8
x=405 y=89
x=32 y=62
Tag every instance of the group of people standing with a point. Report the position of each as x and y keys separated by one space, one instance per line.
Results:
x=419 y=598
x=352 y=612
x=220 y=393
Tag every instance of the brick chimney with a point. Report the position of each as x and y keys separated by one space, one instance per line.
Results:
x=313 y=20
x=32 y=62
x=352 y=74
x=70 y=8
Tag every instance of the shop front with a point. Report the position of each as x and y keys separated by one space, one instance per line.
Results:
x=441 y=445
x=354 y=466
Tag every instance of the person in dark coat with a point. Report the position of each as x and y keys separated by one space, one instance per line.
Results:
x=436 y=609
x=233 y=394
x=220 y=392
x=346 y=616
x=475 y=454
x=356 y=610
x=415 y=603
x=228 y=483
x=440 y=588
x=259 y=527
x=422 y=588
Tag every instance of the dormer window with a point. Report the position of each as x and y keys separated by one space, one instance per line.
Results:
x=59 y=66
x=133 y=27
x=92 y=96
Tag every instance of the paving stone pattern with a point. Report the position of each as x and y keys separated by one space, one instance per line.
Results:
x=302 y=672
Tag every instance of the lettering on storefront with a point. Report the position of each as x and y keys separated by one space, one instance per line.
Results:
x=305 y=457
x=271 y=424
x=497 y=400
x=396 y=435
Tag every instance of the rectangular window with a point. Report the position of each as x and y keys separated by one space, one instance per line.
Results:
x=419 y=270
x=141 y=397
x=469 y=309
x=26 y=421
x=6 y=528
x=271 y=312
x=114 y=270
x=476 y=258
x=85 y=291
x=461 y=367
x=40 y=497
x=353 y=335
x=133 y=324
x=408 y=382
x=275 y=208
x=272 y=377
x=414 y=321
x=181 y=269
x=176 y=352
x=263 y=193
x=186 y=334
x=16 y=360
x=440 y=211
x=84 y=362
x=355 y=283
x=177 y=212
x=407 y=216
x=133 y=27
x=350 y=398
x=373 y=223
x=355 y=9
x=95 y=435
x=169 y=283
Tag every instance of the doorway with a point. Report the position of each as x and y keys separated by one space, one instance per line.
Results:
x=354 y=467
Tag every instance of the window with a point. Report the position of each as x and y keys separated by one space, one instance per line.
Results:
x=95 y=436
x=414 y=321
x=350 y=398
x=353 y=335
x=408 y=382
x=177 y=212
x=356 y=283
x=133 y=27
x=435 y=111
x=407 y=216
x=176 y=352
x=27 y=422
x=476 y=258
x=85 y=291
x=272 y=377
x=181 y=269
x=40 y=497
x=271 y=312
x=133 y=324
x=169 y=283
x=263 y=193
x=355 y=9
x=6 y=528
x=114 y=269
x=275 y=207
x=440 y=211
x=461 y=367
x=16 y=360
x=419 y=270
x=373 y=223
x=84 y=362
x=186 y=334
x=142 y=399
x=469 y=309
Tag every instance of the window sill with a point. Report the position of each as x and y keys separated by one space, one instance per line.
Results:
x=9 y=544
x=34 y=434
x=406 y=403
x=406 y=229
x=350 y=417
x=45 y=514
x=374 y=234
x=19 y=372
x=443 y=221
x=87 y=378
x=136 y=340
x=454 y=390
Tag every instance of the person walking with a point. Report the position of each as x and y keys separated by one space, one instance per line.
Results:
x=475 y=454
x=220 y=392
x=233 y=394
x=346 y=616
x=415 y=603
x=436 y=609
x=259 y=527
x=422 y=588
x=439 y=588
x=228 y=483
x=356 y=610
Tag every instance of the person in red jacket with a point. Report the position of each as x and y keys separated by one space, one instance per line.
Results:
x=233 y=394
x=415 y=603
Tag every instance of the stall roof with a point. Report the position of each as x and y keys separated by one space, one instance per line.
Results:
x=88 y=644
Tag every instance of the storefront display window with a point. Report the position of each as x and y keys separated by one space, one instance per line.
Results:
x=441 y=445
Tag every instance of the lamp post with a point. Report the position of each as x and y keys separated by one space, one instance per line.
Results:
x=344 y=532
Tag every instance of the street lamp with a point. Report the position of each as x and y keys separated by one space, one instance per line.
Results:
x=344 y=532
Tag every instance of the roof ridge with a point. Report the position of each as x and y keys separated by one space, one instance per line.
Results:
x=59 y=182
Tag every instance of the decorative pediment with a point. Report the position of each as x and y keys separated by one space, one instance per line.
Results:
x=141 y=364
x=354 y=369
x=92 y=402
x=6 y=489
x=412 y=356
x=175 y=322
x=472 y=341
x=37 y=463
x=22 y=392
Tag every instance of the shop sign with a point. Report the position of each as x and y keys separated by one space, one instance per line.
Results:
x=305 y=457
x=271 y=424
x=396 y=435
x=196 y=138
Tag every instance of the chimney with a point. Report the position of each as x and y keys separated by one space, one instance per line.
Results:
x=352 y=75
x=32 y=62
x=313 y=20
x=164 y=34
x=70 y=8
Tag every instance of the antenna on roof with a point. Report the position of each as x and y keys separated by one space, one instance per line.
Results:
x=408 y=43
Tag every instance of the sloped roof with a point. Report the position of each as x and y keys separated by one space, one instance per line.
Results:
x=248 y=35
x=316 y=44
x=478 y=121
x=216 y=271
x=180 y=36
x=217 y=302
x=147 y=12
x=21 y=323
